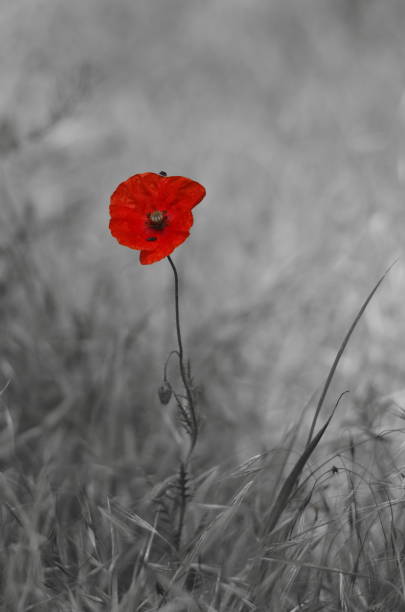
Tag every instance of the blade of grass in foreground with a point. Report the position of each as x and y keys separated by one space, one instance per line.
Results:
x=290 y=482
x=341 y=351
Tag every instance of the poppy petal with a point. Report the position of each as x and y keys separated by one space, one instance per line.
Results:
x=127 y=234
x=139 y=192
x=182 y=192
x=163 y=248
x=149 y=257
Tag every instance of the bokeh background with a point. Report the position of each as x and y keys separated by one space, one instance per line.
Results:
x=292 y=114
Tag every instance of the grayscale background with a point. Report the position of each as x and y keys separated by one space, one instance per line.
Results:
x=292 y=114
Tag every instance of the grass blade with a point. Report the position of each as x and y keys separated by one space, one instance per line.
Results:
x=289 y=484
x=341 y=351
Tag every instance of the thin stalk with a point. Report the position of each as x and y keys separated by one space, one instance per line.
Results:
x=190 y=400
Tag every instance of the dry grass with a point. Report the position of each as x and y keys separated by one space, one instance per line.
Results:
x=292 y=119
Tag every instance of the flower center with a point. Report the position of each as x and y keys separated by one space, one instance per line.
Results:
x=157 y=219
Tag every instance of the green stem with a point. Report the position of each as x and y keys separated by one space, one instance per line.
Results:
x=190 y=400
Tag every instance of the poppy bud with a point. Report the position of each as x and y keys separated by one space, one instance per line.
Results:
x=165 y=393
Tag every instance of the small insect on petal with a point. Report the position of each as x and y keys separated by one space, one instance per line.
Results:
x=151 y=239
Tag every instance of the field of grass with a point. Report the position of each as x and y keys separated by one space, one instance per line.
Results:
x=292 y=115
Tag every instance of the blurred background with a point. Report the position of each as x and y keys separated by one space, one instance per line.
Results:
x=292 y=114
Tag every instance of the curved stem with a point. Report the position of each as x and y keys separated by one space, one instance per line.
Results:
x=190 y=400
x=167 y=363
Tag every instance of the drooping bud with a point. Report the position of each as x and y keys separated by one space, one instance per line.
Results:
x=165 y=393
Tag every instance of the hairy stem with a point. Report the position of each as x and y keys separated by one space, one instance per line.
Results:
x=183 y=504
x=184 y=378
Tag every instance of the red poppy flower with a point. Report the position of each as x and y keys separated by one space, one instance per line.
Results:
x=152 y=213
